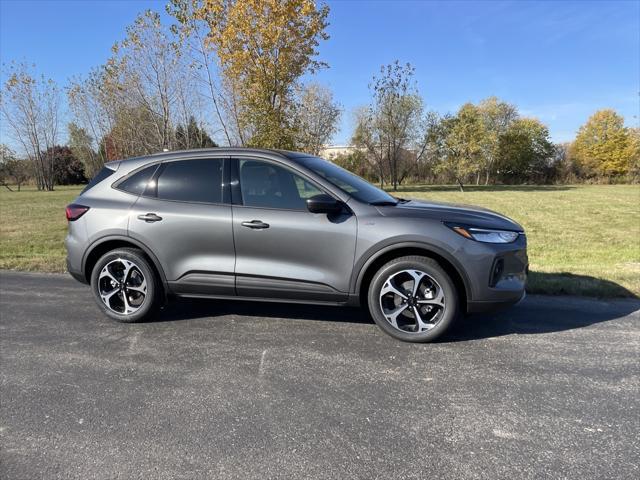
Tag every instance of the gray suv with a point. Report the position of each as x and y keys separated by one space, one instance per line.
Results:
x=283 y=226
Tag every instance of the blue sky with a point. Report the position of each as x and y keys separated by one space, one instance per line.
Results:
x=557 y=61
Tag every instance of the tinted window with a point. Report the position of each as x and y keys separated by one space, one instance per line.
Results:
x=137 y=183
x=355 y=186
x=100 y=176
x=191 y=181
x=267 y=185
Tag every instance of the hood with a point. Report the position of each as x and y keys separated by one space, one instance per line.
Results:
x=451 y=212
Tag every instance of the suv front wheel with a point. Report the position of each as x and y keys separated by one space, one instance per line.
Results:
x=413 y=299
x=125 y=285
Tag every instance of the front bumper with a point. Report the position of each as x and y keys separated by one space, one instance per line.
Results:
x=500 y=276
x=493 y=305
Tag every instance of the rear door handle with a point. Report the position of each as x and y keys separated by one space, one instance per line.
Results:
x=150 y=217
x=257 y=224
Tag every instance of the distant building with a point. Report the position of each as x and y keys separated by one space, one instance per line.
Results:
x=330 y=152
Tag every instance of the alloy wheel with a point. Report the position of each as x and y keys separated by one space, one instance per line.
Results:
x=122 y=286
x=412 y=301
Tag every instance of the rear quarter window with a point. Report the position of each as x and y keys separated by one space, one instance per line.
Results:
x=100 y=176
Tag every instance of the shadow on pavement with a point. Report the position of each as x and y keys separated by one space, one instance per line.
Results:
x=185 y=309
x=542 y=314
x=535 y=315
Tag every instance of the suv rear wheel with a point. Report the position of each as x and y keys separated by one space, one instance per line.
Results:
x=125 y=285
x=413 y=299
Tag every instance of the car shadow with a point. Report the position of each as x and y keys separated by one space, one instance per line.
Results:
x=535 y=315
x=186 y=309
x=539 y=314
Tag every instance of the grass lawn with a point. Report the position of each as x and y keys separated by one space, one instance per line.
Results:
x=583 y=240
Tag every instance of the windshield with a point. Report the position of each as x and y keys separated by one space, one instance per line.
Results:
x=355 y=186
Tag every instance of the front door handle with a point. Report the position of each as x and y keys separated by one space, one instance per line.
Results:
x=150 y=217
x=257 y=224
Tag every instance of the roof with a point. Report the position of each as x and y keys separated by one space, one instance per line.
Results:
x=215 y=150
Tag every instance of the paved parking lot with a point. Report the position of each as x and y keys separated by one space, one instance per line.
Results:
x=252 y=390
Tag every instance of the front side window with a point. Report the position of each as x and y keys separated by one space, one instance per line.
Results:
x=270 y=186
x=355 y=186
x=191 y=181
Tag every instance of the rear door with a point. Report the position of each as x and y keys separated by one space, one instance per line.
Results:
x=283 y=250
x=184 y=216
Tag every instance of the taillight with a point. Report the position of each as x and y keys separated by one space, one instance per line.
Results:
x=75 y=211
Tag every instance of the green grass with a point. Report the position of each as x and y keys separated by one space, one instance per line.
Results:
x=583 y=240
x=32 y=228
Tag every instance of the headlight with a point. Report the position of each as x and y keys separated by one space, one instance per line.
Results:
x=483 y=234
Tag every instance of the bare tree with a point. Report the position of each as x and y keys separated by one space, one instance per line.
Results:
x=191 y=30
x=147 y=66
x=366 y=136
x=389 y=128
x=94 y=109
x=30 y=106
x=133 y=104
x=317 y=118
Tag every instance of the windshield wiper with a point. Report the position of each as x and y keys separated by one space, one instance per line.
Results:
x=383 y=203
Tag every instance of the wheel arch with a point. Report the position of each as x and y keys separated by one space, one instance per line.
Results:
x=105 y=244
x=376 y=260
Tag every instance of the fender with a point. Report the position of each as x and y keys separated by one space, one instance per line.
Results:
x=379 y=249
x=138 y=244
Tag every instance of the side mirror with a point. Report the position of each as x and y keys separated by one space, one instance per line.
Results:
x=324 y=203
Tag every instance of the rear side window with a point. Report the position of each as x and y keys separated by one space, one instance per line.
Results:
x=137 y=183
x=100 y=176
x=191 y=181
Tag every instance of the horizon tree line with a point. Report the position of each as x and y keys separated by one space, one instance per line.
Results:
x=219 y=73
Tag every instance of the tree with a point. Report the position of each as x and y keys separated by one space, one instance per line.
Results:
x=192 y=30
x=434 y=148
x=354 y=161
x=12 y=169
x=389 y=127
x=264 y=47
x=67 y=169
x=603 y=146
x=465 y=134
x=131 y=105
x=192 y=136
x=94 y=106
x=147 y=66
x=634 y=153
x=30 y=107
x=497 y=117
x=525 y=151
x=81 y=145
x=316 y=119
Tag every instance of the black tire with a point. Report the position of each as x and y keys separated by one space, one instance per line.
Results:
x=446 y=318
x=152 y=300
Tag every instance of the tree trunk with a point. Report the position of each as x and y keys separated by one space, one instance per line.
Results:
x=460 y=185
x=9 y=188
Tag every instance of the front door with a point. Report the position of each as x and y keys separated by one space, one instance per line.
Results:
x=282 y=249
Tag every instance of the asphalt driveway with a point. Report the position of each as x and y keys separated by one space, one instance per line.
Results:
x=243 y=390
